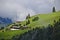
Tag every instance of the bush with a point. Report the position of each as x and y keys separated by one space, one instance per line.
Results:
x=27 y=22
x=35 y=19
x=28 y=16
x=2 y=28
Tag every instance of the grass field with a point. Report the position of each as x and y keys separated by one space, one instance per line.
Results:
x=9 y=34
x=44 y=20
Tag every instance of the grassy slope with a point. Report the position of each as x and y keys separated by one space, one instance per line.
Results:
x=9 y=34
x=44 y=20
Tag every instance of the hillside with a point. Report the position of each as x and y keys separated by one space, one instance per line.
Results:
x=43 y=20
x=49 y=33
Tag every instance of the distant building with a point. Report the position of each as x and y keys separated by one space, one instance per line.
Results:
x=18 y=21
x=24 y=27
x=15 y=28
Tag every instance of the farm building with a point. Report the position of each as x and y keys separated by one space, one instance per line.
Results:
x=15 y=28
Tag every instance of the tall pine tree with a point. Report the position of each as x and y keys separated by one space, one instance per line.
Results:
x=53 y=9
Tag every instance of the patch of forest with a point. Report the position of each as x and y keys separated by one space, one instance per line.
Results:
x=52 y=32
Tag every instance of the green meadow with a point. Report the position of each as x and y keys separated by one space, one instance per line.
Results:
x=43 y=21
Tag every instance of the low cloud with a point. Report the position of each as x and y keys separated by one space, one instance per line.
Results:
x=17 y=10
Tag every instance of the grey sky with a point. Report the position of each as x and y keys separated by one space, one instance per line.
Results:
x=19 y=9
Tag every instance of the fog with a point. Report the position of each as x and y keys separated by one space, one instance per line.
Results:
x=17 y=10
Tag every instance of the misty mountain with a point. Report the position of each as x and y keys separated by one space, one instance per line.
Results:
x=5 y=21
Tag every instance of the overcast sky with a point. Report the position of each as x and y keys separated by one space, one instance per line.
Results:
x=19 y=9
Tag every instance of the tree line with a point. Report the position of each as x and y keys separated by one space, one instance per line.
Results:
x=52 y=32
